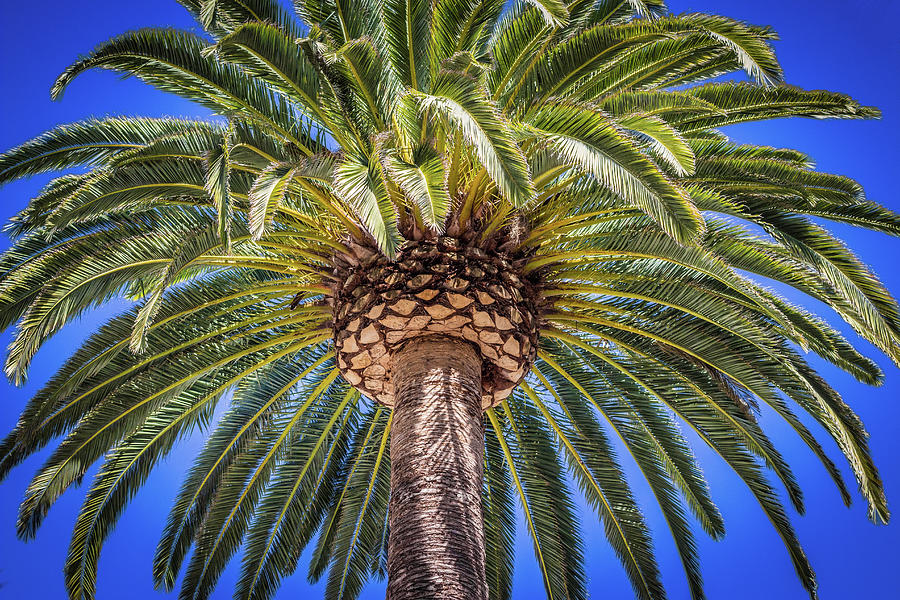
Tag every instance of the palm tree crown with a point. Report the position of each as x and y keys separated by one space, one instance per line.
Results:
x=554 y=167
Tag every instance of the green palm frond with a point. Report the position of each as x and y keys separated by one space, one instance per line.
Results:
x=498 y=504
x=576 y=144
x=297 y=505
x=544 y=497
x=582 y=136
x=360 y=534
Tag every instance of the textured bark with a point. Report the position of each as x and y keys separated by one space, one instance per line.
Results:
x=436 y=287
x=436 y=543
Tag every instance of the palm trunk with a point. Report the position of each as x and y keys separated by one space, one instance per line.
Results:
x=436 y=543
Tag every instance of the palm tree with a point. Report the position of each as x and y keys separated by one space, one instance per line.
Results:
x=438 y=258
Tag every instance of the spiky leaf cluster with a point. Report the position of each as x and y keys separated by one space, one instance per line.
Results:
x=583 y=135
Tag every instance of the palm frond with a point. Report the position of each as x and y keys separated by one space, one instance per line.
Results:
x=557 y=161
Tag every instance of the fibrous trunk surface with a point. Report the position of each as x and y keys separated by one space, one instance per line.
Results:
x=436 y=539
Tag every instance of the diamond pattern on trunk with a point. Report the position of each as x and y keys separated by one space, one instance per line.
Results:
x=436 y=288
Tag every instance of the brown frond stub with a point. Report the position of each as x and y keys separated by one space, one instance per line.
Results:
x=436 y=287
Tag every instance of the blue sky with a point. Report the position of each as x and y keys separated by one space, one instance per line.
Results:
x=831 y=44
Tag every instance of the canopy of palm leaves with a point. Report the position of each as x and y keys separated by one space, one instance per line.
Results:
x=583 y=136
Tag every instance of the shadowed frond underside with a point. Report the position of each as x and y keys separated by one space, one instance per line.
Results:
x=577 y=143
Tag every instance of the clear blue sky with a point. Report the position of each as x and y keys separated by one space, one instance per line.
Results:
x=832 y=44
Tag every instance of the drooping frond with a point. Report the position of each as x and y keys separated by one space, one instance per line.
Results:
x=413 y=164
